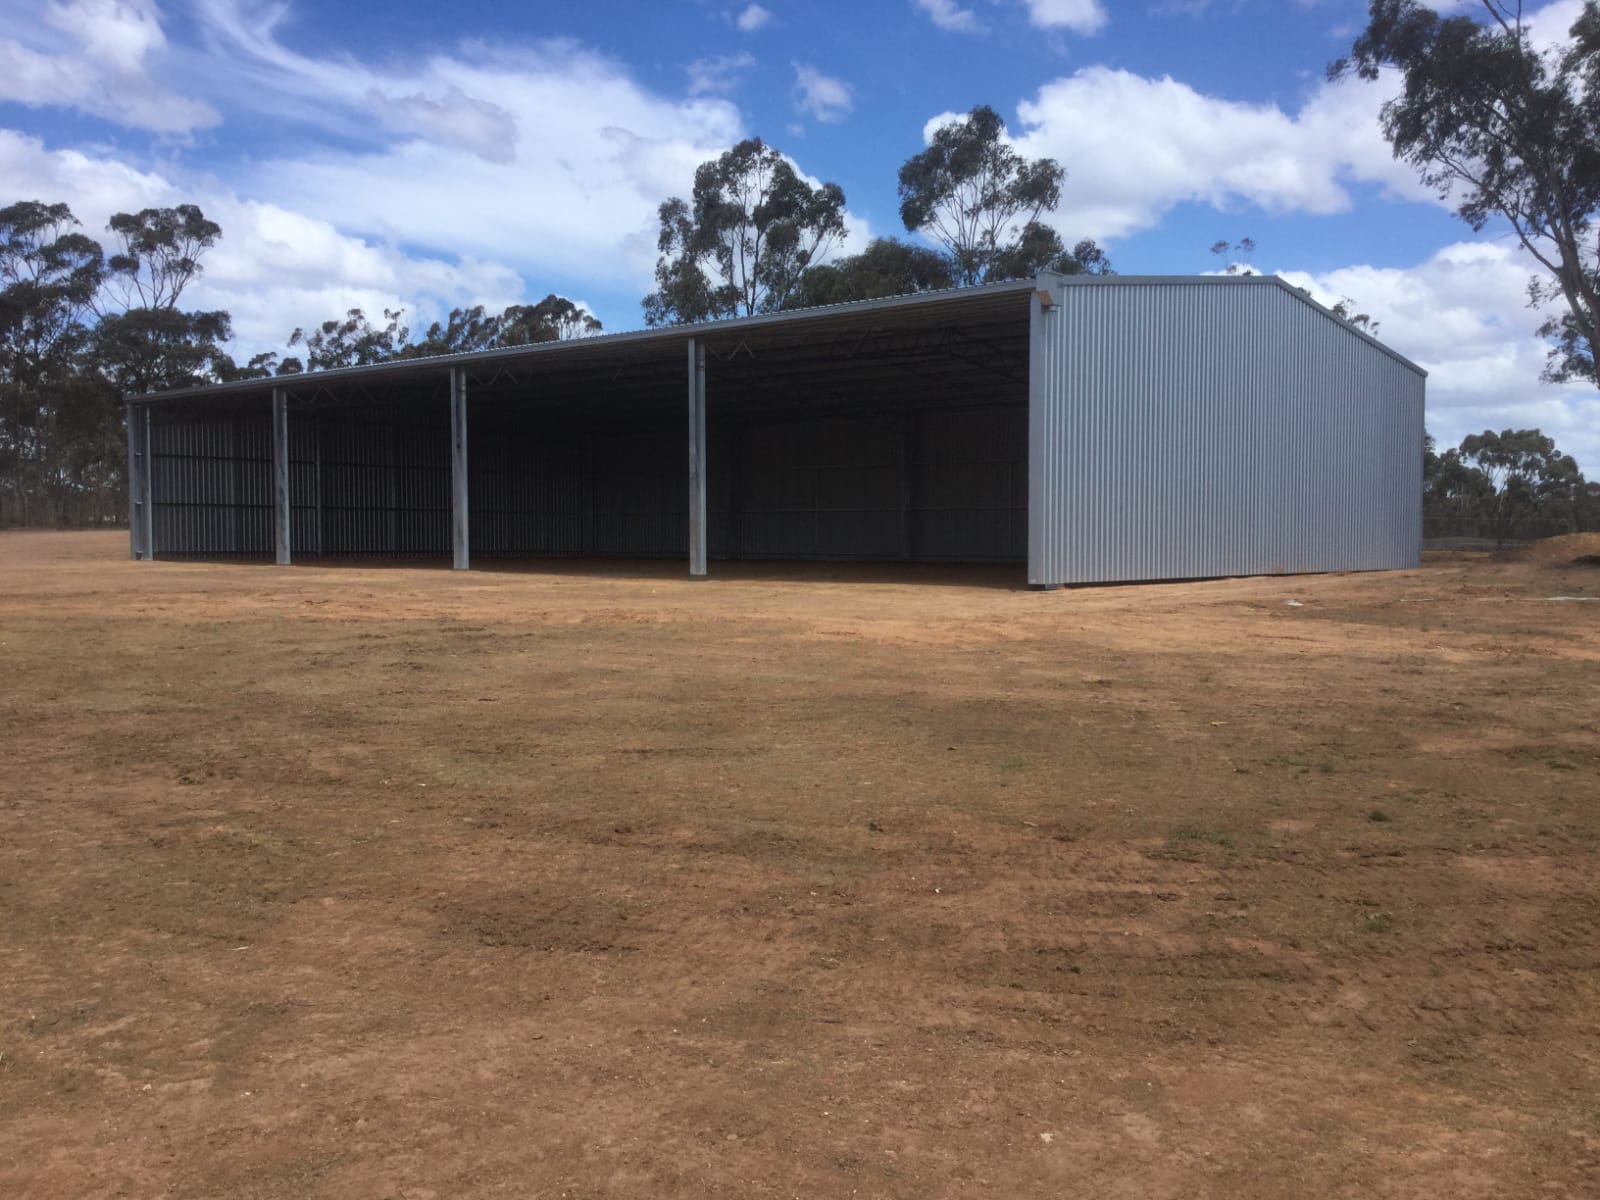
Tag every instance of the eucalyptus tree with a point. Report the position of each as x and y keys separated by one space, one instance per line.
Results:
x=50 y=273
x=1037 y=247
x=353 y=341
x=462 y=331
x=144 y=341
x=1509 y=131
x=157 y=349
x=158 y=254
x=744 y=241
x=1524 y=471
x=973 y=194
x=553 y=319
x=885 y=267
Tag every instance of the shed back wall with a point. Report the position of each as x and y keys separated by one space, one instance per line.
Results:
x=945 y=484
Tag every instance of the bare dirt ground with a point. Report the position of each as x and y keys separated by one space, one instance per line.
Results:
x=591 y=881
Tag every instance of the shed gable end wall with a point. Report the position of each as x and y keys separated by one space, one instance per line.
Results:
x=1191 y=430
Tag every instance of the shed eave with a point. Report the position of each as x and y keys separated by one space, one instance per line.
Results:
x=667 y=335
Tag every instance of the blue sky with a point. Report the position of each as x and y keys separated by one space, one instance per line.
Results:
x=424 y=155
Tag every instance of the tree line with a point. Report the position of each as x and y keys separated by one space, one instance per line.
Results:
x=1514 y=485
x=83 y=324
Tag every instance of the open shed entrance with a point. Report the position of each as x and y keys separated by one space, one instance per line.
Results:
x=892 y=432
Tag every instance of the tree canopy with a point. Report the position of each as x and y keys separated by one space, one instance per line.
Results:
x=555 y=318
x=1510 y=133
x=50 y=273
x=974 y=195
x=352 y=341
x=885 y=267
x=77 y=330
x=1504 y=483
x=744 y=241
x=159 y=254
x=1039 y=248
x=155 y=349
x=464 y=330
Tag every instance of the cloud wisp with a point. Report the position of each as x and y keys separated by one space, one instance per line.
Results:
x=718 y=74
x=821 y=96
x=751 y=18
x=950 y=16
x=100 y=57
x=1078 y=16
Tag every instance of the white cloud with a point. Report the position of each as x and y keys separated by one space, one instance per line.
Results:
x=273 y=268
x=1551 y=25
x=718 y=73
x=481 y=169
x=822 y=96
x=431 y=100
x=578 y=196
x=1080 y=16
x=857 y=233
x=950 y=16
x=751 y=18
x=428 y=183
x=1135 y=147
x=96 y=56
x=455 y=118
x=1463 y=315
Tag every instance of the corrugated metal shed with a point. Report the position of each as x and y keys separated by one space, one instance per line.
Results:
x=1098 y=429
x=1188 y=428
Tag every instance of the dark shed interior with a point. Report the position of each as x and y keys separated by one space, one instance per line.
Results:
x=875 y=432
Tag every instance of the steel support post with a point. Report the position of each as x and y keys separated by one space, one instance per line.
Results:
x=697 y=458
x=1043 y=489
x=141 y=518
x=316 y=479
x=460 y=532
x=280 y=474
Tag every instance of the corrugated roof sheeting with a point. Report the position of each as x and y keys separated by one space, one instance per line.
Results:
x=1185 y=430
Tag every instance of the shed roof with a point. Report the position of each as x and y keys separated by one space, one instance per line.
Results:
x=982 y=306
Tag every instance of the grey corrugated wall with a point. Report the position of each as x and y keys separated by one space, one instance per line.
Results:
x=933 y=485
x=937 y=484
x=1185 y=429
x=211 y=485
